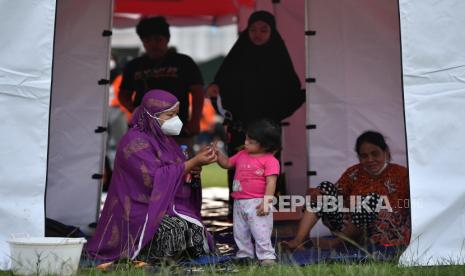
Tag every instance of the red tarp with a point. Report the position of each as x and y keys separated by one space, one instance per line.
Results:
x=182 y=7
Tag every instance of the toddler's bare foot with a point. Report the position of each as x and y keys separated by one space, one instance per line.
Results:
x=267 y=262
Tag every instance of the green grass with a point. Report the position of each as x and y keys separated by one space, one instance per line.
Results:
x=370 y=268
x=214 y=176
x=353 y=269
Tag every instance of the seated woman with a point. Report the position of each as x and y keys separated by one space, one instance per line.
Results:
x=149 y=207
x=376 y=180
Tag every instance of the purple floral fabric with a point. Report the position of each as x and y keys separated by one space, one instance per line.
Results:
x=147 y=183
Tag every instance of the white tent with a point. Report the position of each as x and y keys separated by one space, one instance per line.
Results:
x=433 y=43
x=25 y=83
x=53 y=67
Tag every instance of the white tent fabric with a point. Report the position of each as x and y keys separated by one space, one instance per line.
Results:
x=433 y=43
x=355 y=59
x=79 y=107
x=25 y=81
x=290 y=15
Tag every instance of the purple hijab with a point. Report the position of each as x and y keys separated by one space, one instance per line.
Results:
x=147 y=182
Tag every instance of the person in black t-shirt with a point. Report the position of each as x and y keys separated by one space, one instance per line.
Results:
x=160 y=68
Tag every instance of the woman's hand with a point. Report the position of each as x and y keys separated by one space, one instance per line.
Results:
x=206 y=155
x=213 y=90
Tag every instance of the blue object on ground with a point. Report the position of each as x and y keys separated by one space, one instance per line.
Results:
x=205 y=260
x=347 y=255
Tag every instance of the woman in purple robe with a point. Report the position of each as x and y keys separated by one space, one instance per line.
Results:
x=150 y=210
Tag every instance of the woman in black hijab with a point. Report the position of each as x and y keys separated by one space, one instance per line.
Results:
x=257 y=79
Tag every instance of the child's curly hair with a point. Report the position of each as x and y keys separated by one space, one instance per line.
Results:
x=267 y=133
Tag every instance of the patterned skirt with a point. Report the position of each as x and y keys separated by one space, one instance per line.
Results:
x=334 y=220
x=175 y=238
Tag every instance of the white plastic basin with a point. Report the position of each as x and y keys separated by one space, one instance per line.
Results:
x=42 y=256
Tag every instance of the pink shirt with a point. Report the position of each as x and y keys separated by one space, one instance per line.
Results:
x=251 y=172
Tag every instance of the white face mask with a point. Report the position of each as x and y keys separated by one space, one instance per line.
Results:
x=171 y=126
x=382 y=168
x=386 y=163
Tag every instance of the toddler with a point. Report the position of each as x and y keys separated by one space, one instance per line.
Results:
x=256 y=174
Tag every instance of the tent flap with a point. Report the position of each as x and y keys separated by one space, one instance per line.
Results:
x=433 y=43
x=355 y=59
x=25 y=81
x=79 y=106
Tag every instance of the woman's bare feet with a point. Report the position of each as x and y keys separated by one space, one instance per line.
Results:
x=293 y=244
